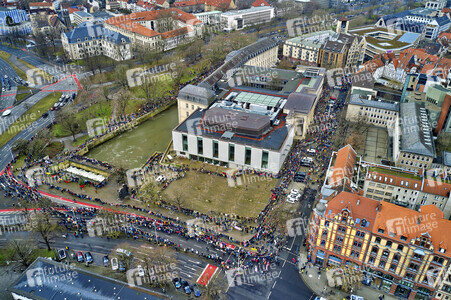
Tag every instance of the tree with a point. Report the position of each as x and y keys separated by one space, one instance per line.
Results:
x=68 y=121
x=178 y=199
x=121 y=76
x=44 y=225
x=21 y=251
x=37 y=146
x=444 y=141
x=20 y=146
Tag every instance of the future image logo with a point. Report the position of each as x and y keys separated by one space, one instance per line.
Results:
x=50 y=275
x=251 y=275
x=95 y=126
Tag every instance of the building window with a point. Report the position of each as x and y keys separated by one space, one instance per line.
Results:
x=185 y=142
x=247 y=156
x=265 y=156
x=215 y=149
x=231 y=152
x=200 y=146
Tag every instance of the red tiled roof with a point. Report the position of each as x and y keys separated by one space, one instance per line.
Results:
x=160 y=2
x=130 y=22
x=430 y=186
x=259 y=3
x=358 y=206
x=175 y=32
x=446 y=35
x=32 y=4
x=344 y=166
x=397 y=221
x=71 y=10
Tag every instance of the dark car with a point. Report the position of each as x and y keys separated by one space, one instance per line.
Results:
x=80 y=257
x=106 y=261
x=176 y=282
x=89 y=258
x=121 y=266
x=196 y=291
x=45 y=115
x=185 y=286
x=62 y=254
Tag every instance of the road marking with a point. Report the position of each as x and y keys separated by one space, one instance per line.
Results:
x=141 y=253
x=190 y=268
x=269 y=295
x=198 y=246
x=186 y=274
x=274 y=284
x=196 y=262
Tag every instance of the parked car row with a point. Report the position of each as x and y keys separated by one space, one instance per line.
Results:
x=299 y=177
x=19 y=80
x=180 y=283
x=64 y=99
x=293 y=196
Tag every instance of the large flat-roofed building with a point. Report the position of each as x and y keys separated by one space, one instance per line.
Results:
x=305 y=48
x=413 y=144
x=383 y=40
x=47 y=279
x=239 y=19
x=235 y=136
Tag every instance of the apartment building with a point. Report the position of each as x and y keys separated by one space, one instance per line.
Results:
x=326 y=48
x=400 y=251
x=89 y=40
x=379 y=113
x=408 y=189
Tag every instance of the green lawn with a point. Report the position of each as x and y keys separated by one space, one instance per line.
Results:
x=394 y=173
x=19 y=97
x=99 y=110
x=29 y=117
x=204 y=193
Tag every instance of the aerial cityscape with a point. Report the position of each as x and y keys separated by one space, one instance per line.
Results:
x=225 y=149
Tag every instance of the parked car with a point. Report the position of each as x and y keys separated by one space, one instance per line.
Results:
x=45 y=115
x=114 y=264
x=80 y=257
x=121 y=266
x=62 y=254
x=123 y=251
x=196 y=291
x=176 y=282
x=89 y=258
x=106 y=261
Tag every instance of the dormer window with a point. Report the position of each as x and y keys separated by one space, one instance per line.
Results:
x=441 y=250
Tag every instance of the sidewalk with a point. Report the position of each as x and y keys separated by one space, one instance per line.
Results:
x=316 y=280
